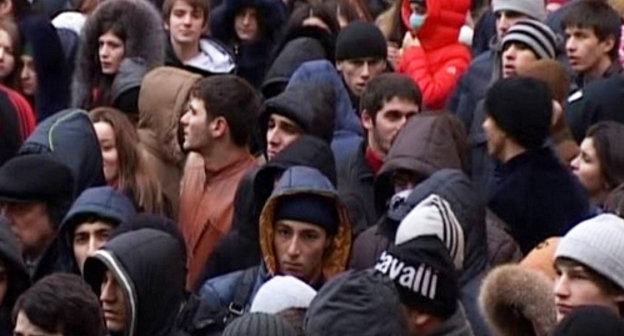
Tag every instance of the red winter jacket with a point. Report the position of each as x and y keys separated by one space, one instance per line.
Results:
x=440 y=61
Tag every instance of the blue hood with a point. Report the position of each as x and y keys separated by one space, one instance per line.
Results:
x=323 y=72
x=101 y=202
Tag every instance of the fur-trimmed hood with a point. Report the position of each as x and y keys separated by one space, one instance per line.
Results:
x=306 y=180
x=144 y=38
x=518 y=301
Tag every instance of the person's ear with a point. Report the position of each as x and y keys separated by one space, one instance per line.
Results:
x=339 y=65
x=557 y=113
x=367 y=121
x=608 y=44
x=218 y=127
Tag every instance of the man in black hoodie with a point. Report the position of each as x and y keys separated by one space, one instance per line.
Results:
x=139 y=276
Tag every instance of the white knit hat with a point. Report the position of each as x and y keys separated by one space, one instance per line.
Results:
x=281 y=293
x=434 y=216
x=597 y=243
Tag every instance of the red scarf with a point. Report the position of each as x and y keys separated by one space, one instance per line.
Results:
x=373 y=160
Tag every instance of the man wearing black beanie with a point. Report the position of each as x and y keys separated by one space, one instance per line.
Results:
x=532 y=191
x=361 y=53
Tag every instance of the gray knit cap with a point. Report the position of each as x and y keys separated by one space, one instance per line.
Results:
x=597 y=243
x=259 y=324
x=534 y=34
x=535 y=9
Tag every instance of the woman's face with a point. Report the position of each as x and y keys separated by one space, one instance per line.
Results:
x=111 y=52
x=587 y=169
x=246 y=24
x=7 y=59
x=28 y=76
x=108 y=145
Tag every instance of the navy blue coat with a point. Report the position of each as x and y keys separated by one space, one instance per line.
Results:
x=538 y=197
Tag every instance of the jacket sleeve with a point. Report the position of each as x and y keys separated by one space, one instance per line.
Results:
x=436 y=84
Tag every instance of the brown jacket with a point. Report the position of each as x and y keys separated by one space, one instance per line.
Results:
x=207 y=208
x=163 y=95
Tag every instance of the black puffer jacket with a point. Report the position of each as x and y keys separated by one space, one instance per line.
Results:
x=240 y=249
x=150 y=267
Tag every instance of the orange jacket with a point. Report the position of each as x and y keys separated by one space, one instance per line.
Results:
x=207 y=209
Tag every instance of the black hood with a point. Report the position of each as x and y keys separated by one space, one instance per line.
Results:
x=456 y=188
x=310 y=105
x=149 y=265
x=257 y=186
x=302 y=45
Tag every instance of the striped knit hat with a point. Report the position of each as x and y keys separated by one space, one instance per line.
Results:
x=597 y=243
x=434 y=216
x=535 y=35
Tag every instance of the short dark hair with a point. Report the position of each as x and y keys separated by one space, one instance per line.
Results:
x=385 y=87
x=233 y=98
x=203 y=5
x=62 y=303
x=608 y=139
x=598 y=16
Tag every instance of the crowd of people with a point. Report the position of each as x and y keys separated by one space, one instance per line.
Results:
x=311 y=167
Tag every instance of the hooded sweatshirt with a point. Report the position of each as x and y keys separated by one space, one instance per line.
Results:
x=101 y=203
x=240 y=249
x=251 y=57
x=162 y=100
x=440 y=60
x=148 y=265
x=216 y=294
x=70 y=137
x=213 y=59
x=53 y=75
x=18 y=278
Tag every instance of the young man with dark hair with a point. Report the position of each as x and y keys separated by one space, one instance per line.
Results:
x=216 y=127
x=533 y=192
x=58 y=305
x=593 y=30
x=187 y=46
x=90 y=221
x=387 y=103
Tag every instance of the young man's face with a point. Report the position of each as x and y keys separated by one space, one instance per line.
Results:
x=246 y=24
x=357 y=72
x=505 y=19
x=495 y=137
x=23 y=327
x=89 y=237
x=516 y=56
x=195 y=126
x=299 y=249
x=575 y=287
x=31 y=225
x=113 y=304
x=185 y=23
x=389 y=121
x=585 y=51
x=281 y=132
